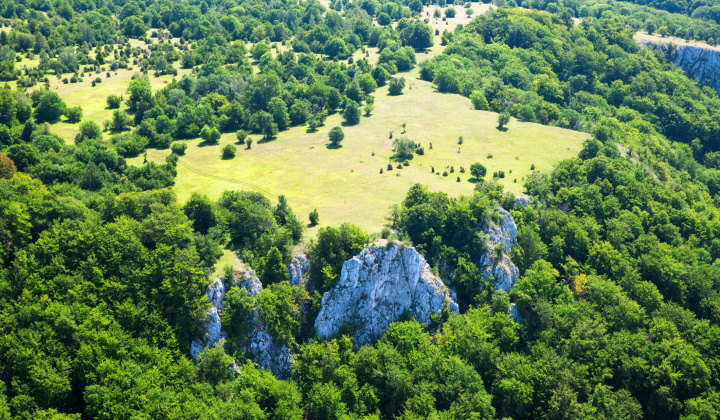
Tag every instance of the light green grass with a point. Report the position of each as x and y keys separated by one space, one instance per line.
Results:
x=345 y=184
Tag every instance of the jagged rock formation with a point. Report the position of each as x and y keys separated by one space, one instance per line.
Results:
x=297 y=269
x=701 y=64
x=261 y=347
x=376 y=287
x=496 y=260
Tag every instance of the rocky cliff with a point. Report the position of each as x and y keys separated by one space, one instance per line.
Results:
x=701 y=64
x=261 y=347
x=297 y=269
x=501 y=236
x=376 y=287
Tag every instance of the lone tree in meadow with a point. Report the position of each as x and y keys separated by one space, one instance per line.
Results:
x=503 y=119
x=228 y=152
x=314 y=217
x=351 y=114
x=478 y=170
x=248 y=142
x=336 y=135
x=396 y=85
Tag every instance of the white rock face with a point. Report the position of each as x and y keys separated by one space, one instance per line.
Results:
x=514 y=314
x=297 y=269
x=213 y=330
x=376 y=287
x=262 y=348
x=699 y=63
x=500 y=266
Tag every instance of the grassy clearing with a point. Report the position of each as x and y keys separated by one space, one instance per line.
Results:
x=345 y=184
x=93 y=99
x=644 y=37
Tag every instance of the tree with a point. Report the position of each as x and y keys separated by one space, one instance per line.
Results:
x=210 y=135
x=178 y=148
x=120 y=121
x=529 y=249
x=396 y=85
x=74 y=114
x=7 y=167
x=50 y=108
x=384 y=19
x=446 y=79
x=478 y=170
x=278 y=109
x=274 y=270
x=333 y=247
x=478 y=100
x=314 y=217
x=503 y=119
x=404 y=148
x=89 y=130
x=416 y=6
x=650 y=26
x=214 y=365
x=228 y=151
x=351 y=114
x=449 y=13
x=248 y=142
x=336 y=135
x=241 y=136
x=113 y=101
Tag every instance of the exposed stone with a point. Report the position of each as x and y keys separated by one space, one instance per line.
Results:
x=376 y=287
x=494 y=262
x=701 y=64
x=514 y=314
x=262 y=348
x=297 y=269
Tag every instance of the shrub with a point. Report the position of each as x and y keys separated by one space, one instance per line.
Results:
x=336 y=135
x=503 y=119
x=396 y=85
x=210 y=135
x=501 y=174
x=385 y=233
x=314 y=217
x=74 y=114
x=241 y=136
x=404 y=148
x=389 y=167
x=450 y=12
x=228 y=152
x=532 y=167
x=178 y=148
x=248 y=142
x=113 y=101
x=445 y=173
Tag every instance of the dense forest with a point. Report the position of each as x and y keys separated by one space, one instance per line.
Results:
x=103 y=272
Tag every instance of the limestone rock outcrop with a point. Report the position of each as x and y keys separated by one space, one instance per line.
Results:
x=376 y=287
x=501 y=236
x=261 y=347
x=701 y=64
x=297 y=269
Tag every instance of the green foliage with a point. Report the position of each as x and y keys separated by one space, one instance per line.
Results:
x=478 y=170
x=228 y=151
x=351 y=114
x=314 y=217
x=50 y=108
x=336 y=135
x=503 y=119
x=178 y=148
x=396 y=85
x=333 y=247
x=74 y=114
x=89 y=130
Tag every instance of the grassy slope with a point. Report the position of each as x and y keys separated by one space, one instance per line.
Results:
x=345 y=184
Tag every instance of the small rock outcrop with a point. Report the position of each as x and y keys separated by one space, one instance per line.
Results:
x=297 y=269
x=376 y=287
x=496 y=261
x=261 y=347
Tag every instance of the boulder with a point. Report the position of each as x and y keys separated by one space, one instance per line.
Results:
x=376 y=287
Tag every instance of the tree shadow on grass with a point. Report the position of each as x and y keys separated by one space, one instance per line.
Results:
x=503 y=129
x=264 y=140
x=333 y=146
x=474 y=180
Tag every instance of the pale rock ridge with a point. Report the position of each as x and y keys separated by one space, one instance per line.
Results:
x=297 y=269
x=701 y=64
x=376 y=287
x=495 y=263
x=262 y=348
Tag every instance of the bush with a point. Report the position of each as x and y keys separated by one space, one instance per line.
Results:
x=503 y=119
x=210 y=135
x=396 y=85
x=248 y=142
x=74 y=114
x=241 y=136
x=449 y=12
x=229 y=151
x=404 y=148
x=314 y=217
x=178 y=148
x=336 y=135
